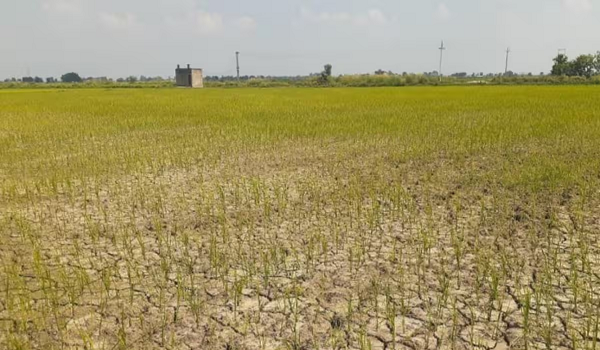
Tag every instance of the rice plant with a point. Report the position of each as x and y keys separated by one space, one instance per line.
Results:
x=419 y=218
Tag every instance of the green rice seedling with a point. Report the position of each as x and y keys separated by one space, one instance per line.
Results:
x=526 y=318
x=466 y=215
x=454 y=329
x=364 y=342
x=390 y=315
x=239 y=284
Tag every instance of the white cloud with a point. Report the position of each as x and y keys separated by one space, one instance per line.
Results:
x=443 y=12
x=208 y=23
x=118 y=21
x=376 y=16
x=308 y=15
x=198 y=22
x=578 y=6
x=371 y=17
x=205 y=23
x=246 y=24
x=68 y=7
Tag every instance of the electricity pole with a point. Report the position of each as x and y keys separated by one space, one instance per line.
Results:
x=442 y=48
x=237 y=61
x=506 y=67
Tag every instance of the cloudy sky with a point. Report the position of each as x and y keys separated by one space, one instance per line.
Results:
x=288 y=37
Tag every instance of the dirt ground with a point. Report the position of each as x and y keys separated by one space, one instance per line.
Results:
x=335 y=246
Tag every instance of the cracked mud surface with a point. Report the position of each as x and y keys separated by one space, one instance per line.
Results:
x=298 y=259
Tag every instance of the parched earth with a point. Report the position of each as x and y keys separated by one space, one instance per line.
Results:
x=336 y=246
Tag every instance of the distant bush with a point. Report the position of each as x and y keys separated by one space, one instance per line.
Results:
x=88 y=85
x=71 y=78
x=546 y=80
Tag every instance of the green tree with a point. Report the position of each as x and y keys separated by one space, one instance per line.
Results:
x=71 y=78
x=561 y=65
x=597 y=63
x=325 y=74
x=583 y=66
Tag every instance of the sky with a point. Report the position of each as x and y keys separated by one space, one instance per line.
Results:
x=118 y=38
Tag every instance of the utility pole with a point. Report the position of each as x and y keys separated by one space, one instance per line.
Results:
x=506 y=67
x=442 y=48
x=237 y=61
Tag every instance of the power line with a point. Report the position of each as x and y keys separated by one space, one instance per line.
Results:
x=237 y=62
x=442 y=48
x=506 y=66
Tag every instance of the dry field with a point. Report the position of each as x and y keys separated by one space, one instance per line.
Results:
x=412 y=218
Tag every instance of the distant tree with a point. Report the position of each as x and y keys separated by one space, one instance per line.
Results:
x=71 y=78
x=597 y=63
x=50 y=80
x=542 y=74
x=325 y=74
x=132 y=79
x=561 y=65
x=38 y=80
x=27 y=80
x=379 y=72
x=583 y=66
x=120 y=80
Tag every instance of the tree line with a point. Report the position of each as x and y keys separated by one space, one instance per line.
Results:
x=582 y=66
x=73 y=77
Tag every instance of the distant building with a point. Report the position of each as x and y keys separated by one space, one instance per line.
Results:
x=189 y=77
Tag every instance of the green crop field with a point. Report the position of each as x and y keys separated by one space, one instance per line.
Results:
x=388 y=218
